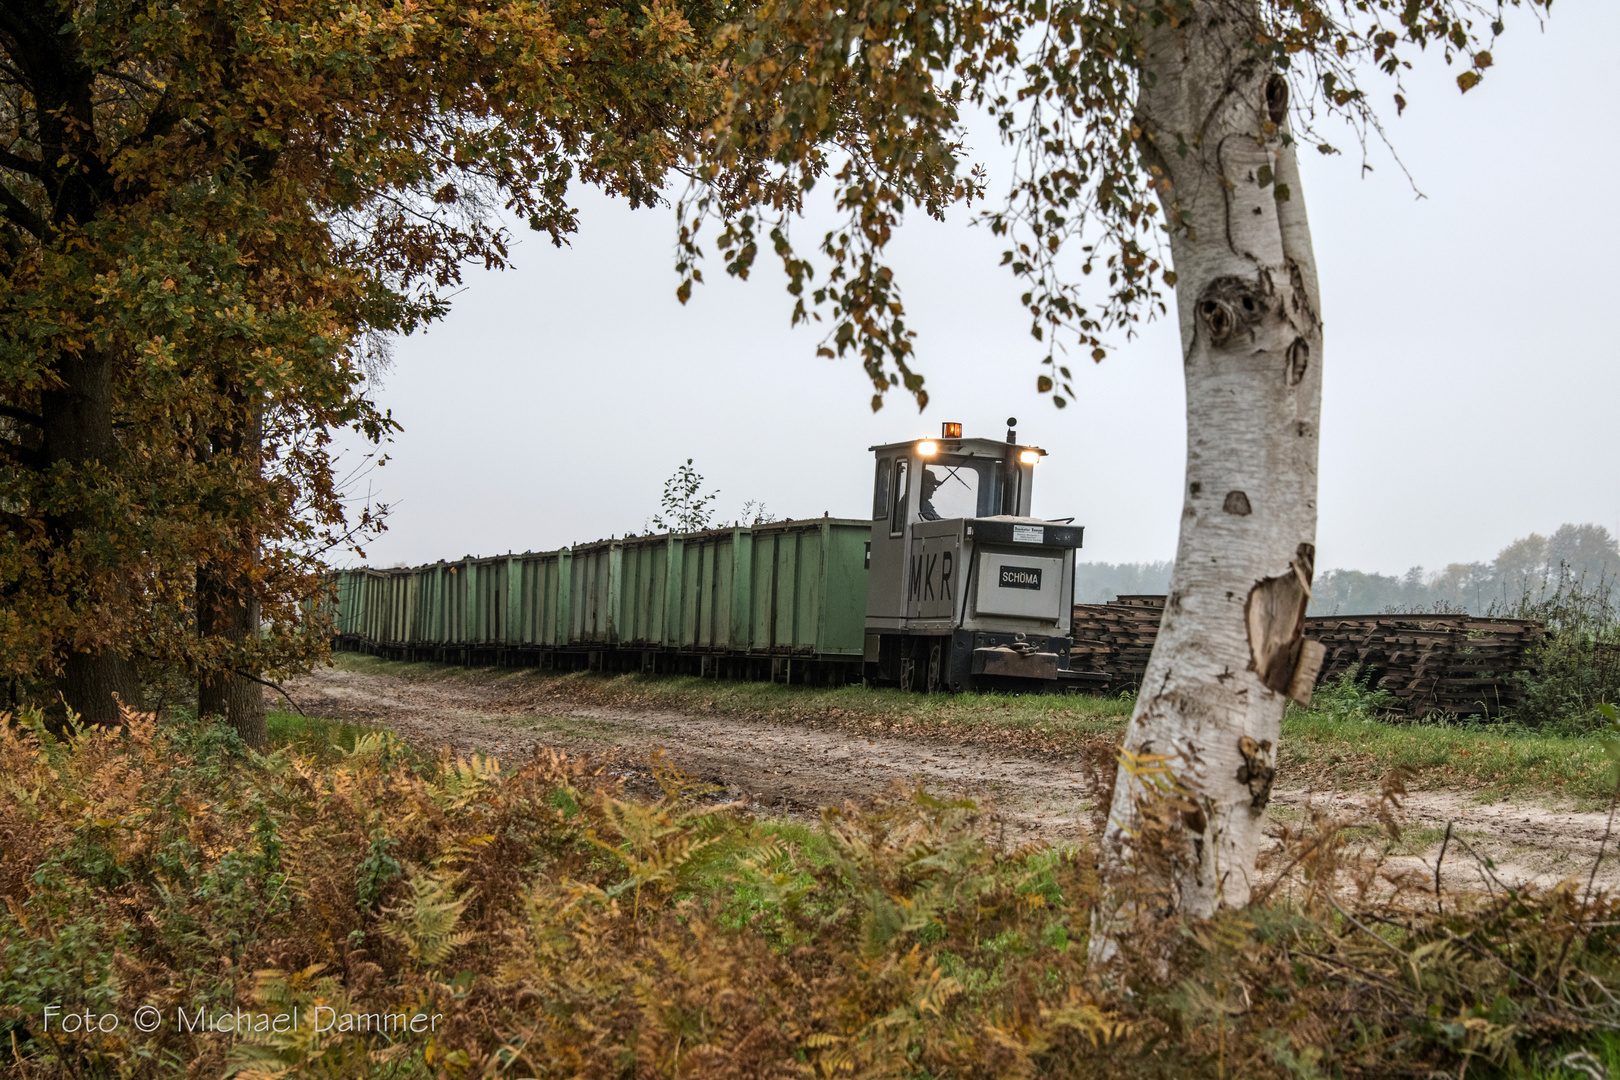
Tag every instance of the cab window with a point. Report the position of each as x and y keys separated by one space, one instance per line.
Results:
x=897 y=514
x=880 y=489
x=955 y=487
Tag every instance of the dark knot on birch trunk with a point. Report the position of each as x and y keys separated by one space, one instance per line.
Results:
x=1228 y=307
x=1299 y=358
x=1277 y=98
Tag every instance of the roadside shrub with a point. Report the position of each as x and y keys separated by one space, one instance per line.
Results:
x=1576 y=668
x=1570 y=677
x=554 y=928
x=1349 y=697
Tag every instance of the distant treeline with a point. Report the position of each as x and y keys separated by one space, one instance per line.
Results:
x=1527 y=570
x=1100 y=582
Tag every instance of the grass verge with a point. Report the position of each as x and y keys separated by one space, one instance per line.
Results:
x=1322 y=750
x=314 y=737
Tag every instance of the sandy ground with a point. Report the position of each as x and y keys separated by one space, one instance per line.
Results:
x=794 y=769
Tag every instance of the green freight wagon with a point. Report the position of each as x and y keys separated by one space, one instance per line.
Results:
x=537 y=598
x=593 y=594
x=783 y=600
x=642 y=621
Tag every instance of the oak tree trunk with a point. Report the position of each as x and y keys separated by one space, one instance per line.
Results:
x=77 y=429
x=228 y=605
x=1198 y=757
x=78 y=449
x=232 y=612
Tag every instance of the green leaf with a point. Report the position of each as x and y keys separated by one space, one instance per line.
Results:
x=1611 y=751
x=1467 y=81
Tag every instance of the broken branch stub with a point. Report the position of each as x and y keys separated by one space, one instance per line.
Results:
x=1257 y=771
x=1311 y=655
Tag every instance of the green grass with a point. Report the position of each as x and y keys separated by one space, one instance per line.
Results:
x=1604 y=1046
x=1320 y=749
x=1414 y=840
x=312 y=736
x=578 y=727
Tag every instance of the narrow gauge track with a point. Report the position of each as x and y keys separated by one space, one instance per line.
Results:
x=1460 y=665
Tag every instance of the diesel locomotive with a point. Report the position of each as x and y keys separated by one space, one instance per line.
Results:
x=952 y=585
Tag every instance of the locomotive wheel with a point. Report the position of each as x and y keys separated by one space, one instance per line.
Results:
x=935 y=656
x=908 y=673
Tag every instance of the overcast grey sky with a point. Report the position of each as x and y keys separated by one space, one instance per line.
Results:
x=1470 y=377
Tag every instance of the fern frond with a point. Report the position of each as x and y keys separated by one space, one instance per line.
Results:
x=426 y=923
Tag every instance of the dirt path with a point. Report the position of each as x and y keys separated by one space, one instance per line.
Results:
x=794 y=768
x=772 y=765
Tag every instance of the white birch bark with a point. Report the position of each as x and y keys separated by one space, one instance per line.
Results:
x=1196 y=768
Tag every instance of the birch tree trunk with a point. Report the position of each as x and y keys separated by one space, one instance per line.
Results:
x=1198 y=758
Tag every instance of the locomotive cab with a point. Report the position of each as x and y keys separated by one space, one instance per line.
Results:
x=965 y=589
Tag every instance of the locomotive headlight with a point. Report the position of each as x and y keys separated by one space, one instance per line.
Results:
x=1029 y=457
x=928 y=448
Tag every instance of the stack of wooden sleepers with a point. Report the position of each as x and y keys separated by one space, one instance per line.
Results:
x=1432 y=664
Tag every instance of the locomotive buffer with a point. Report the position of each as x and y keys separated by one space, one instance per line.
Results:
x=965 y=590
